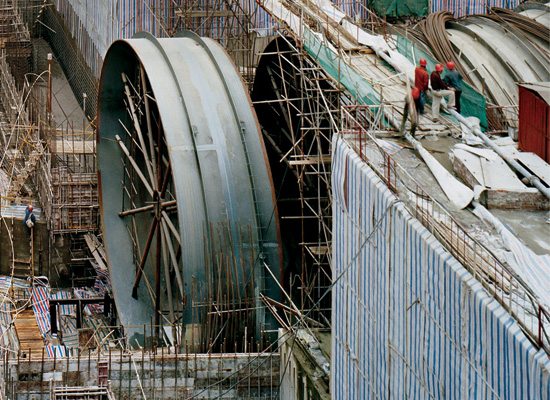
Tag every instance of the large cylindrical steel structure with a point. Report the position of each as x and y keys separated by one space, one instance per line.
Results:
x=187 y=202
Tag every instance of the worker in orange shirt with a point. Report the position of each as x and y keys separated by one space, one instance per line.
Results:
x=421 y=81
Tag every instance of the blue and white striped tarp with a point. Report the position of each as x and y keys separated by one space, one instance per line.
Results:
x=98 y=324
x=4 y=183
x=56 y=351
x=6 y=310
x=65 y=309
x=41 y=307
x=408 y=321
x=99 y=286
x=86 y=293
x=460 y=8
x=10 y=211
x=7 y=281
x=103 y=274
x=70 y=333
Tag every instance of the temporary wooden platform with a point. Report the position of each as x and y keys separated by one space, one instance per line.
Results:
x=28 y=332
x=74 y=146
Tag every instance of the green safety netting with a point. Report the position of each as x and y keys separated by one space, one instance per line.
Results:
x=472 y=102
x=400 y=8
x=359 y=88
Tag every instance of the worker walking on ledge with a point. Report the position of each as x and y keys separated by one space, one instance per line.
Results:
x=440 y=90
x=453 y=79
x=30 y=219
x=412 y=101
x=421 y=81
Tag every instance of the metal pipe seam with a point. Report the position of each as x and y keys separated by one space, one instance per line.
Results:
x=533 y=179
x=202 y=119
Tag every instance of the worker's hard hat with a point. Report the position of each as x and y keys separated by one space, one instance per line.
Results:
x=416 y=93
x=450 y=65
x=423 y=62
x=439 y=68
x=30 y=207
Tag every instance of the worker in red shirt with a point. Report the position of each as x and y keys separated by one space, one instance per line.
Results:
x=421 y=81
x=439 y=91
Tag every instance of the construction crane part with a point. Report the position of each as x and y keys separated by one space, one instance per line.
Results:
x=186 y=194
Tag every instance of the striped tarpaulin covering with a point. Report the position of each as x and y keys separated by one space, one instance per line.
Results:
x=408 y=321
x=460 y=8
x=354 y=9
x=7 y=282
x=4 y=183
x=41 y=307
x=100 y=332
x=70 y=333
x=65 y=309
x=10 y=211
x=85 y=293
x=104 y=275
x=5 y=313
x=5 y=325
x=56 y=351
x=100 y=287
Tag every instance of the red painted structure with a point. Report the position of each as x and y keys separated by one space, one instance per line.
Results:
x=534 y=119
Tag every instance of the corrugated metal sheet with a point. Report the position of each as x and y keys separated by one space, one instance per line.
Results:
x=408 y=320
x=96 y=24
x=93 y=24
x=534 y=123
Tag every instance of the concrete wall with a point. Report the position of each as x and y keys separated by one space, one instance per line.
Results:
x=408 y=320
x=302 y=375
x=145 y=375
x=17 y=247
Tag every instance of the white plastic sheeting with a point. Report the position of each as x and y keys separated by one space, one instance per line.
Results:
x=408 y=320
x=532 y=268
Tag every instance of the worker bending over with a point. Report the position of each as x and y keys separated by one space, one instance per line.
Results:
x=439 y=90
x=412 y=101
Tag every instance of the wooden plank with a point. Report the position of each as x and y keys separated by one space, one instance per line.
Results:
x=318 y=250
x=311 y=160
x=74 y=146
x=535 y=164
x=205 y=14
x=99 y=246
x=28 y=332
x=94 y=249
x=498 y=175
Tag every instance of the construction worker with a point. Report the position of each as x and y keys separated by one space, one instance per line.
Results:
x=30 y=218
x=439 y=91
x=412 y=101
x=453 y=79
x=421 y=81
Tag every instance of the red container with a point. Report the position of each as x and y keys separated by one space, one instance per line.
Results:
x=534 y=119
